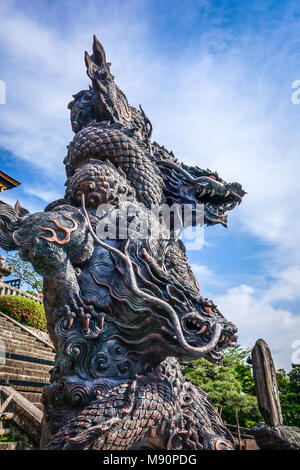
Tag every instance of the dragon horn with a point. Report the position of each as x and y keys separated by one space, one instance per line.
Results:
x=99 y=56
x=89 y=64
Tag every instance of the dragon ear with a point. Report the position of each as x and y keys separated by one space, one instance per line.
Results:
x=10 y=222
x=111 y=105
x=99 y=56
x=89 y=65
x=96 y=63
x=21 y=211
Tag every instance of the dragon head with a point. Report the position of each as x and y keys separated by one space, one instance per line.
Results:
x=105 y=101
x=205 y=327
x=197 y=188
x=111 y=103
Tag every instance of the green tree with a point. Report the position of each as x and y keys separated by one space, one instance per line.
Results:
x=289 y=394
x=25 y=272
x=230 y=387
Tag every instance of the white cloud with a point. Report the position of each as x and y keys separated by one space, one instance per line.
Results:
x=263 y=311
x=201 y=271
x=221 y=126
x=31 y=206
x=253 y=311
x=229 y=111
x=209 y=282
x=286 y=286
x=42 y=193
x=43 y=68
x=213 y=109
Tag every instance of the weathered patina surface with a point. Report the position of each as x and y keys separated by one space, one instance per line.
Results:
x=122 y=311
x=272 y=434
x=266 y=384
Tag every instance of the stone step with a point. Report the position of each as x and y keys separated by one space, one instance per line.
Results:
x=5 y=321
x=34 y=397
x=23 y=368
x=16 y=343
x=7 y=325
x=17 y=372
x=23 y=351
x=25 y=378
x=25 y=357
x=8 y=445
x=28 y=387
x=10 y=327
x=11 y=330
x=24 y=365
x=21 y=336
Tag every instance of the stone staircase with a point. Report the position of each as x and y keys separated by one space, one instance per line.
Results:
x=25 y=361
x=20 y=421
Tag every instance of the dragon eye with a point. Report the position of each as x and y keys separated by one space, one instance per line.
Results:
x=212 y=177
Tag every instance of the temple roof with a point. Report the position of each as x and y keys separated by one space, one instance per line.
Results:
x=7 y=182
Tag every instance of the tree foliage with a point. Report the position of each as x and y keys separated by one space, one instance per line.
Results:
x=230 y=387
x=289 y=394
x=25 y=271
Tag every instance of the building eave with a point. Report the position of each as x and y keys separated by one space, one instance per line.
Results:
x=7 y=182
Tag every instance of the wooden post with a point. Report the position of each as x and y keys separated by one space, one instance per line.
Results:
x=238 y=429
x=266 y=384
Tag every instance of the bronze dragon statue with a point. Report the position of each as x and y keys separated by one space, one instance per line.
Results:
x=123 y=306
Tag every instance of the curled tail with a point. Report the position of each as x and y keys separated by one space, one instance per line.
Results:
x=10 y=221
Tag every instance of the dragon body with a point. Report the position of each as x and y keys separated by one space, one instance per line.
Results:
x=102 y=141
x=123 y=310
x=157 y=411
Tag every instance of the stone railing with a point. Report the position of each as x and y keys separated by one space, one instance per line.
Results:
x=6 y=289
x=27 y=416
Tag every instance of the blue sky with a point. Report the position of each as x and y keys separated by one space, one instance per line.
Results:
x=215 y=77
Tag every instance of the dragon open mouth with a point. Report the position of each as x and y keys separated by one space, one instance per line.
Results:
x=195 y=186
x=218 y=198
x=193 y=324
x=200 y=331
